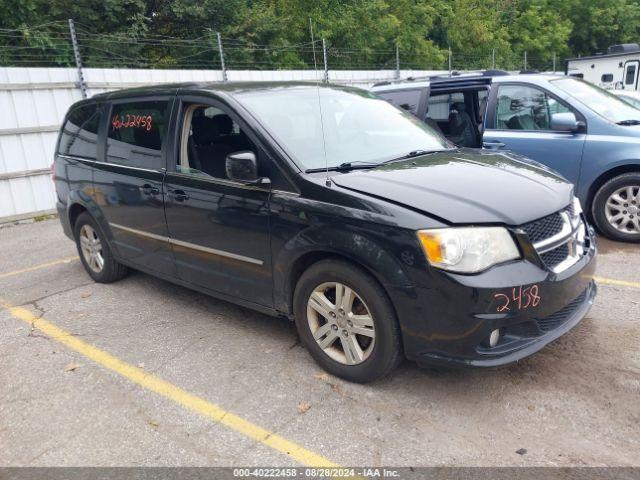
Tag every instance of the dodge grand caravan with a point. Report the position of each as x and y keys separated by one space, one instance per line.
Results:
x=355 y=220
x=585 y=133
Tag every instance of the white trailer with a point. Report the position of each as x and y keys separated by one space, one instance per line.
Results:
x=616 y=69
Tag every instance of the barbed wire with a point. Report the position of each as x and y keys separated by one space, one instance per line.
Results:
x=49 y=44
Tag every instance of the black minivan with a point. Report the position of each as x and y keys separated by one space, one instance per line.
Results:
x=329 y=206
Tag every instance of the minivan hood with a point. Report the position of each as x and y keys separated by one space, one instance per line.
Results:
x=466 y=186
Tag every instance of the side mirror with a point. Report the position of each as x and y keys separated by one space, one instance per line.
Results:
x=564 y=122
x=243 y=167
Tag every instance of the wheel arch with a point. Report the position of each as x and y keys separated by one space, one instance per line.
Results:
x=73 y=212
x=306 y=260
x=78 y=201
x=311 y=258
x=604 y=178
x=371 y=257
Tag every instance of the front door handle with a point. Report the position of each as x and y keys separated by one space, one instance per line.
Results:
x=149 y=189
x=180 y=195
x=493 y=145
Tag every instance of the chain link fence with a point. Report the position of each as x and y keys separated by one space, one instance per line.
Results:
x=52 y=45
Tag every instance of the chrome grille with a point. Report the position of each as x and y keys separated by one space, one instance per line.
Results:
x=544 y=228
x=556 y=256
x=560 y=239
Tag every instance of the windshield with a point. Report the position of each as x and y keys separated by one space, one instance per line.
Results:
x=633 y=101
x=358 y=126
x=600 y=101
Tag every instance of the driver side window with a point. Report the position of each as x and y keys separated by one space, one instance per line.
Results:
x=209 y=135
x=521 y=107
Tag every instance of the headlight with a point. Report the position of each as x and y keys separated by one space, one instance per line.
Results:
x=467 y=249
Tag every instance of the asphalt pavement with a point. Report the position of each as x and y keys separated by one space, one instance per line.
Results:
x=146 y=373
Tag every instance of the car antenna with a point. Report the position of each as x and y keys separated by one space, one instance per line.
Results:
x=315 y=68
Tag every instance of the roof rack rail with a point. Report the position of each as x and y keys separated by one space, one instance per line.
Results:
x=452 y=74
x=495 y=73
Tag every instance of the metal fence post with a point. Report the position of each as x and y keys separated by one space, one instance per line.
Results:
x=222 y=66
x=554 y=62
x=449 y=60
x=397 y=61
x=525 y=59
x=326 y=68
x=76 y=54
x=493 y=59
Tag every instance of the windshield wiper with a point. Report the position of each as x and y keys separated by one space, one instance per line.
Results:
x=345 y=166
x=416 y=153
x=628 y=122
x=358 y=164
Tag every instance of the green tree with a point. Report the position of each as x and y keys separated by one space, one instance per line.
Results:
x=539 y=29
x=598 y=24
x=275 y=33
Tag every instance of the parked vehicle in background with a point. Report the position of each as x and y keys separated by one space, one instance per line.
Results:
x=356 y=220
x=617 y=69
x=583 y=132
x=632 y=97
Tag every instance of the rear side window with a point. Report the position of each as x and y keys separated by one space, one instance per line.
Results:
x=606 y=78
x=79 y=136
x=408 y=100
x=440 y=105
x=137 y=132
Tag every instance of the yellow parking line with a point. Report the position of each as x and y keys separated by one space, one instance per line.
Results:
x=178 y=395
x=38 y=267
x=613 y=281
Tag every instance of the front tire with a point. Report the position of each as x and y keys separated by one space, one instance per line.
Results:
x=346 y=321
x=616 y=208
x=94 y=251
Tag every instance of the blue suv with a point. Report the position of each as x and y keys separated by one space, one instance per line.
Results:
x=583 y=132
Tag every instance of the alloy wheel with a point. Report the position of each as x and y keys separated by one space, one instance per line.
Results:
x=341 y=323
x=91 y=248
x=622 y=209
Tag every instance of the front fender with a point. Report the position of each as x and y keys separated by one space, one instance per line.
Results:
x=604 y=155
x=593 y=179
x=372 y=252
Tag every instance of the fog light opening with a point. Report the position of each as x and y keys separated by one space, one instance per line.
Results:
x=494 y=338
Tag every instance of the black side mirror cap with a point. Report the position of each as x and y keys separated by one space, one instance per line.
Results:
x=242 y=166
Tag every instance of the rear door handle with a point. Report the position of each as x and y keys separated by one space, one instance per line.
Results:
x=149 y=189
x=180 y=195
x=493 y=145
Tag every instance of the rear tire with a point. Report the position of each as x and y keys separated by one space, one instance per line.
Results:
x=356 y=335
x=616 y=208
x=94 y=251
